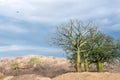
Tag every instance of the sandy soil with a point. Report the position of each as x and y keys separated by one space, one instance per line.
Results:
x=88 y=76
x=68 y=76
x=25 y=77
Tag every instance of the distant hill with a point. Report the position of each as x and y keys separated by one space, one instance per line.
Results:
x=47 y=66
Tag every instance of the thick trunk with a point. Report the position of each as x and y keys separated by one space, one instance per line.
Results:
x=100 y=66
x=86 y=65
x=78 y=61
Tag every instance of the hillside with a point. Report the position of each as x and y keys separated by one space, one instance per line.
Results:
x=33 y=64
x=47 y=67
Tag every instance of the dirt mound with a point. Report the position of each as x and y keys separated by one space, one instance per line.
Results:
x=26 y=77
x=88 y=76
x=69 y=76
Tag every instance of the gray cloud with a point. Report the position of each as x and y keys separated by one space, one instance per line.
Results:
x=13 y=29
x=103 y=12
x=58 y=10
x=26 y=47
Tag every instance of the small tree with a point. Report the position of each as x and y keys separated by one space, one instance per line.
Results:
x=72 y=37
x=103 y=49
x=34 y=60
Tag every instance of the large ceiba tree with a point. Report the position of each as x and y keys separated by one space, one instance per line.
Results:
x=72 y=37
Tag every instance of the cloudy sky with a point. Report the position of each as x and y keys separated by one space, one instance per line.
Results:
x=27 y=25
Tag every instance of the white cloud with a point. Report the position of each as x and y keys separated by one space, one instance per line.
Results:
x=115 y=27
x=105 y=21
x=12 y=28
x=56 y=10
x=27 y=48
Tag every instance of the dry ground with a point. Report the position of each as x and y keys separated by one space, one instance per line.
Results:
x=88 y=76
x=68 y=76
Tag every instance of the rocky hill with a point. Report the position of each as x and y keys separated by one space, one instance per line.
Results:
x=34 y=64
x=44 y=67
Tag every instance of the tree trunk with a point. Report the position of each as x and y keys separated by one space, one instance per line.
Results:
x=78 y=61
x=86 y=65
x=100 y=66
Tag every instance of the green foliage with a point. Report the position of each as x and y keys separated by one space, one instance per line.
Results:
x=15 y=65
x=34 y=60
x=102 y=48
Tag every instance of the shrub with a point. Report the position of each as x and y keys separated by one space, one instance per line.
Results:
x=34 y=61
x=15 y=65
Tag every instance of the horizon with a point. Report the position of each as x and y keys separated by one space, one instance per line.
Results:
x=26 y=26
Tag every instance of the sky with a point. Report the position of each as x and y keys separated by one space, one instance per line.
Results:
x=26 y=26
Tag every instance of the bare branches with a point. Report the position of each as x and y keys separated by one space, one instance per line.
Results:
x=72 y=35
